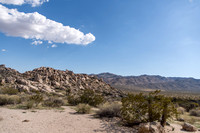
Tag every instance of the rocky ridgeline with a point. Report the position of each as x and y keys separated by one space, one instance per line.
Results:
x=48 y=80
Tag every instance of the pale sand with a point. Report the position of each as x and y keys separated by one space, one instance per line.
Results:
x=48 y=121
x=56 y=121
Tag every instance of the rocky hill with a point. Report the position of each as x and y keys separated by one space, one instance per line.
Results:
x=49 y=80
x=146 y=82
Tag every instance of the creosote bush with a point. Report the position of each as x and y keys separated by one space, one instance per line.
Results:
x=73 y=99
x=140 y=108
x=187 y=104
x=109 y=110
x=88 y=96
x=26 y=105
x=83 y=108
x=195 y=112
x=36 y=98
x=7 y=99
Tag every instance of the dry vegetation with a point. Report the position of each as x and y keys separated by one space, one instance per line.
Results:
x=133 y=109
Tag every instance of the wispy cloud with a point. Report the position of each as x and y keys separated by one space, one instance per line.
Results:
x=21 y=2
x=37 y=43
x=54 y=46
x=38 y=27
x=3 y=50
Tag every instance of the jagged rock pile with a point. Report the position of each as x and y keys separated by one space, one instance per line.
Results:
x=48 y=79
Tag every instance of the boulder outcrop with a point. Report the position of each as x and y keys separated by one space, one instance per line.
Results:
x=48 y=79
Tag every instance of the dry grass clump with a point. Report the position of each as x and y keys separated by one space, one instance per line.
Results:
x=7 y=99
x=83 y=108
x=109 y=110
x=195 y=112
x=181 y=110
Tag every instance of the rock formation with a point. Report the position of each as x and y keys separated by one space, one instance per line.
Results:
x=49 y=79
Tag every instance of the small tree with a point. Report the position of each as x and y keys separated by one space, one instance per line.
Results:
x=168 y=110
x=134 y=108
x=154 y=102
x=153 y=107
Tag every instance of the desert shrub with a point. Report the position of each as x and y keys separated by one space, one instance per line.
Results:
x=83 y=108
x=134 y=109
x=195 y=112
x=73 y=99
x=181 y=110
x=109 y=110
x=7 y=99
x=139 y=108
x=9 y=91
x=37 y=98
x=168 y=110
x=90 y=97
x=186 y=103
x=26 y=105
x=53 y=102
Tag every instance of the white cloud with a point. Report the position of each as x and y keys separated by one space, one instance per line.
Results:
x=21 y=2
x=49 y=42
x=3 y=50
x=37 y=26
x=37 y=43
x=54 y=46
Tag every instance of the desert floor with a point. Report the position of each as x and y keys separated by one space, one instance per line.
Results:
x=56 y=121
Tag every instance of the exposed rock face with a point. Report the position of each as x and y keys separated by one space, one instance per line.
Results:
x=48 y=79
x=151 y=127
x=189 y=127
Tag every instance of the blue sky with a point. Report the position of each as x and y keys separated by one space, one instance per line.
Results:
x=132 y=37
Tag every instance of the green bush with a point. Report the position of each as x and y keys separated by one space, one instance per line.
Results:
x=195 y=112
x=109 y=110
x=90 y=97
x=134 y=109
x=37 y=98
x=26 y=105
x=7 y=99
x=140 y=108
x=83 y=108
x=73 y=99
x=9 y=91
x=53 y=102
x=187 y=104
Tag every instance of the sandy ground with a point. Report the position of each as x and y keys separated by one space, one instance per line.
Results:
x=47 y=121
x=56 y=121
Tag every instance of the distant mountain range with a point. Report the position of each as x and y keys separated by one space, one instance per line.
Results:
x=148 y=82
